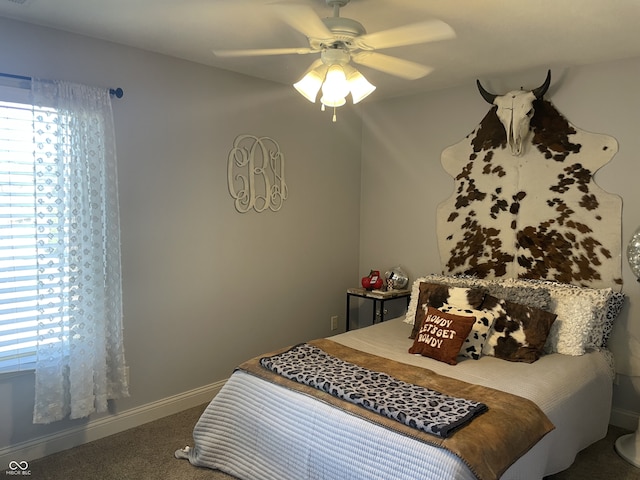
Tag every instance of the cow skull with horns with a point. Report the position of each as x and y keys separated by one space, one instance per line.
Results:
x=515 y=110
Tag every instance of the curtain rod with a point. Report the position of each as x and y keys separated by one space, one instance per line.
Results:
x=115 y=92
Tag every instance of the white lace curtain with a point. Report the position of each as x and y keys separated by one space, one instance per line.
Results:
x=80 y=354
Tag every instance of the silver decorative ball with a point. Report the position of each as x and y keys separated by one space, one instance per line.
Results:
x=398 y=278
x=633 y=253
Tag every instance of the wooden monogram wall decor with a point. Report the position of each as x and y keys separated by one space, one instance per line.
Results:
x=255 y=172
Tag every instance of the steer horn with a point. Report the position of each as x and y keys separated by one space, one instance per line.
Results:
x=538 y=92
x=542 y=89
x=489 y=97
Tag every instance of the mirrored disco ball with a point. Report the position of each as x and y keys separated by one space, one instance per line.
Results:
x=398 y=278
x=633 y=253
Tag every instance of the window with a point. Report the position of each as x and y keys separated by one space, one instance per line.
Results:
x=21 y=300
x=60 y=275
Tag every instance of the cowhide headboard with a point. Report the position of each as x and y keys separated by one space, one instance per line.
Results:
x=537 y=215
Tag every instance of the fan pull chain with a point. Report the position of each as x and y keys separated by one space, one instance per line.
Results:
x=335 y=118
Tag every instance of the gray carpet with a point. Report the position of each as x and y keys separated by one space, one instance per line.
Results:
x=146 y=452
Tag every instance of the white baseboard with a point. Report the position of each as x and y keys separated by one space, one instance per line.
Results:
x=103 y=427
x=624 y=418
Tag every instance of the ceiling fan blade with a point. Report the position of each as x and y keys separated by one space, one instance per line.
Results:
x=303 y=19
x=422 y=32
x=391 y=65
x=262 y=51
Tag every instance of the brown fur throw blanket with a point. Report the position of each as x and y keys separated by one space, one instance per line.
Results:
x=488 y=445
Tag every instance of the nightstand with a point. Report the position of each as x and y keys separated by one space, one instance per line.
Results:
x=378 y=297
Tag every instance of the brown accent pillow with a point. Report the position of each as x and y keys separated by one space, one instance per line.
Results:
x=441 y=335
x=436 y=295
x=519 y=332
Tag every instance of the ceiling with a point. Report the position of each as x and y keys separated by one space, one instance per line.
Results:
x=494 y=37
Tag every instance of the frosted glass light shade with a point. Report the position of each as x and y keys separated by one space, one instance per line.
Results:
x=310 y=84
x=360 y=86
x=335 y=87
x=338 y=102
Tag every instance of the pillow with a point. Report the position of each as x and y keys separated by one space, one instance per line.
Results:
x=436 y=295
x=519 y=291
x=575 y=329
x=450 y=280
x=583 y=315
x=584 y=319
x=519 y=332
x=474 y=343
x=614 y=306
x=410 y=316
x=441 y=335
x=571 y=332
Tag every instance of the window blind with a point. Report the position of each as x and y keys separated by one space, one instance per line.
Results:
x=21 y=270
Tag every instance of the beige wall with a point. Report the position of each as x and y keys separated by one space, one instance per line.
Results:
x=403 y=180
x=205 y=287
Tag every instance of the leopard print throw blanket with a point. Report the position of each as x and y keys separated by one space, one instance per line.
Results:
x=413 y=405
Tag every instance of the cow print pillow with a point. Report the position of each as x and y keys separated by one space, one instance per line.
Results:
x=474 y=343
x=519 y=332
x=436 y=295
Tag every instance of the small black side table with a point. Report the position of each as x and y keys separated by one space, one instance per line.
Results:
x=379 y=297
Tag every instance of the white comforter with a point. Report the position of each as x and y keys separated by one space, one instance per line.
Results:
x=257 y=430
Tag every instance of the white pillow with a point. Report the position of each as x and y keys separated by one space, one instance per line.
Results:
x=410 y=316
x=581 y=318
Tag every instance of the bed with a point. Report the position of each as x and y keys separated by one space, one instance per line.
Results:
x=496 y=371
x=258 y=427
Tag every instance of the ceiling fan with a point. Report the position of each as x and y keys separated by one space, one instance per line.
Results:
x=340 y=40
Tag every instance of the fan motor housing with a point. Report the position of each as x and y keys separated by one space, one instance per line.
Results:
x=344 y=29
x=337 y=55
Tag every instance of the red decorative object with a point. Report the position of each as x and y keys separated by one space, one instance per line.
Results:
x=372 y=281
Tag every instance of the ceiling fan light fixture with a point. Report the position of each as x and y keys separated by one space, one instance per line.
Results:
x=341 y=40
x=336 y=81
